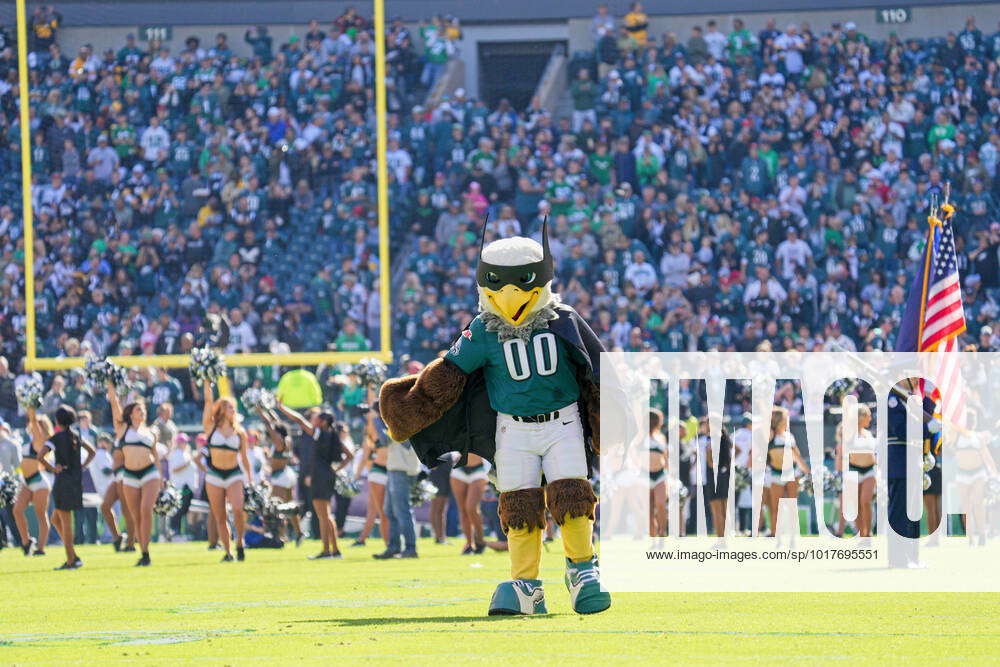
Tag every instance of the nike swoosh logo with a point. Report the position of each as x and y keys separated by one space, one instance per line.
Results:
x=569 y=422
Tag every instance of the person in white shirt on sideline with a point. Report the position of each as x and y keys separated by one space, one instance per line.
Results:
x=10 y=461
x=184 y=476
x=742 y=441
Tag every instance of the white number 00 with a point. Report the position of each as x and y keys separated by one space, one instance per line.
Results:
x=515 y=353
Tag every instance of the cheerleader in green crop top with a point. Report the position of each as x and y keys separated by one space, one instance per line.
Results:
x=228 y=466
x=375 y=455
x=36 y=486
x=114 y=494
x=141 y=479
x=781 y=437
x=657 y=475
x=279 y=461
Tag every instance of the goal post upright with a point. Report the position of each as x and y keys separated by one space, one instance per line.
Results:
x=33 y=362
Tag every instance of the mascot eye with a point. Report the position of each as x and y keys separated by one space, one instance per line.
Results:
x=528 y=277
x=492 y=277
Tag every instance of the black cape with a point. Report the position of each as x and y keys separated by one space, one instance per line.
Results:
x=469 y=426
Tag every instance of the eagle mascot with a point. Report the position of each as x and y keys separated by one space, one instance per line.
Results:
x=520 y=388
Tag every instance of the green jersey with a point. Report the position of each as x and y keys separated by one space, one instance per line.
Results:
x=168 y=390
x=522 y=378
x=350 y=343
x=600 y=167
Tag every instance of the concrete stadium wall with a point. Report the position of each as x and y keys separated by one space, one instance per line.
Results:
x=72 y=38
x=552 y=86
x=926 y=21
x=269 y=12
x=452 y=79
x=516 y=32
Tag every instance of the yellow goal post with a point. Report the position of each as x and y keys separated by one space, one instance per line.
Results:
x=34 y=362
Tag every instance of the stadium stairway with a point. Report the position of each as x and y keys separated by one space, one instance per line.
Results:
x=552 y=90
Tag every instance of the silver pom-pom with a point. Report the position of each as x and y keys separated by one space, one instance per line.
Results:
x=101 y=371
x=689 y=450
x=29 y=392
x=992 y=491
x=344 y=484
x=833 y=481
x=806 y=484
x=371 y=372
x=168 y=502
x=255 y=498
x=97 y=371
x=8 y=489
x=676 y=484
x=421 y=491
x=207 y=364
x=256 y=398
x=275 y=508
x=742 y=478
x=929 y=462
x=119 y=377
x=927 y=481
x=934 y=426
x=841 y=388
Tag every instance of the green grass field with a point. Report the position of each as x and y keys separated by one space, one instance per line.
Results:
x=279 y=606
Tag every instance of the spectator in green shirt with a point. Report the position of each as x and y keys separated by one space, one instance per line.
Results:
x=941 y=130
x=559 y=193
x=647 y=166
x=600 y=163
x=741 y=42
x=584 y=92
x=349 y=340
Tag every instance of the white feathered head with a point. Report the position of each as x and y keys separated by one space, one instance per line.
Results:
x=515 y=277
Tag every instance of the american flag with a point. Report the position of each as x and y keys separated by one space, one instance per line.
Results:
x=934 y=318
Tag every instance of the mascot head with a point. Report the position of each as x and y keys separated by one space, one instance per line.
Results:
x=515 y=277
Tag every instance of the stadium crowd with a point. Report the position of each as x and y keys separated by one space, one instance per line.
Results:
x=756 y=189
x=724 y=191
x=168 y=184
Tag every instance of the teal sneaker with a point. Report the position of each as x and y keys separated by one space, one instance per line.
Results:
x=518 y=596
x=583 y=581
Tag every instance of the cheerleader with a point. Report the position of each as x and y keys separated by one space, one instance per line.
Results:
x=974 y=465
x=780 y=436
x=114 y=494
x=932 y=494
x=141 y=480
x=35 y=487
x=683 y=473
x=717 y=482
x=657 y=475
x=467 y=485
x=861 y=459
x=67 y=490
x=374 y=456
x=279 y=463
x=227 y=464
x=330 y=451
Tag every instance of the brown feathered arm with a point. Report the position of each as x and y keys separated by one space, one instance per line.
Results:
x=590 y=396
x=412 y=403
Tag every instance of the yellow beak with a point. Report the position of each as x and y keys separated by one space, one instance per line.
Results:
x=512 y=303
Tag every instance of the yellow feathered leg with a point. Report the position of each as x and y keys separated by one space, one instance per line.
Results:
x=577 y=537
x=525 y=548
x=522 y=517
